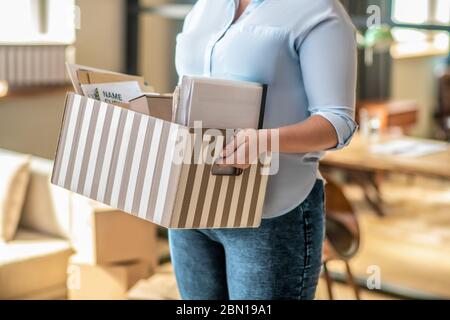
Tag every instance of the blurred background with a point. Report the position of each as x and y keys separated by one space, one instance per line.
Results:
x=388 y=212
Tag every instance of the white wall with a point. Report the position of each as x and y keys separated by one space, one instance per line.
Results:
x=100 y=40
x=31 y=125
x=155 y=54
x=414 y=79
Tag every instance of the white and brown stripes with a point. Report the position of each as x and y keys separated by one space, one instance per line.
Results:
x=29 y=65
x=219 y=201
x=115 y=156
x=126 y=160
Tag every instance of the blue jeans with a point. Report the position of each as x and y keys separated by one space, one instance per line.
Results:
x=279 y=260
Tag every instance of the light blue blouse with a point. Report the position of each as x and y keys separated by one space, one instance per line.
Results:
x=304 y=50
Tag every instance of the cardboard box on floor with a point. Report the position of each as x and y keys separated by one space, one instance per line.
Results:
x=105 y=236
x=106 y=282
x=161 y=286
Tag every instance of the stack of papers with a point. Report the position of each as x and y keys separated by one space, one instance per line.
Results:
x=408 y=148
x=115 y=92
x=111 y=87
x=220 y=104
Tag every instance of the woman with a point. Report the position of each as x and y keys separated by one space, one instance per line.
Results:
x=305 y=51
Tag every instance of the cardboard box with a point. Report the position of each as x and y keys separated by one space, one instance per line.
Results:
x=93 y=77
x=104 y=282
x=79 y=75
x=128 y=161
x=157 y=106
x=107 y=236
x=158 y=287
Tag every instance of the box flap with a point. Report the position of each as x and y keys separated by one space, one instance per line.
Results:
x=158 y=106
x=83 y=77
x=94 y=74
x=103 y=77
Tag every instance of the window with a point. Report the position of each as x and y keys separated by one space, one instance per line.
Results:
x=420 y=41
x=37 y=21
x=443 y=11
x=434 y=12
x=411 y=11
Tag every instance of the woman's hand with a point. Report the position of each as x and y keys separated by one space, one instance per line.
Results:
x=314 y=134
x=245 y=148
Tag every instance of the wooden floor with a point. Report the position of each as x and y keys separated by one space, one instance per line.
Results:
x=410 y=246
x=162 y=286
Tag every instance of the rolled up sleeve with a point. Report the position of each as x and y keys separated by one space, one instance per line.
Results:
x=342 y=119
x=328 y=61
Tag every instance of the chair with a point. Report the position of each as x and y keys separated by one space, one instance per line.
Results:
x=442 y=115
x=393 y=115
x=342 y=234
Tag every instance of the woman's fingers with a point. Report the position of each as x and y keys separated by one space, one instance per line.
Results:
x=237 y=140
x=242 y=151
x=238 y=159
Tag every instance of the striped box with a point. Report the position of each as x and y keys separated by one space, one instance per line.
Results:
x=131 y=161
x=34 y=65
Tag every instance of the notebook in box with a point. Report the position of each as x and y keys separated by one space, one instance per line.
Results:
x=221 y=104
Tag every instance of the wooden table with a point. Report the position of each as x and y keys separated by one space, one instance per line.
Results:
x=401 y=114
x=364 y=166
